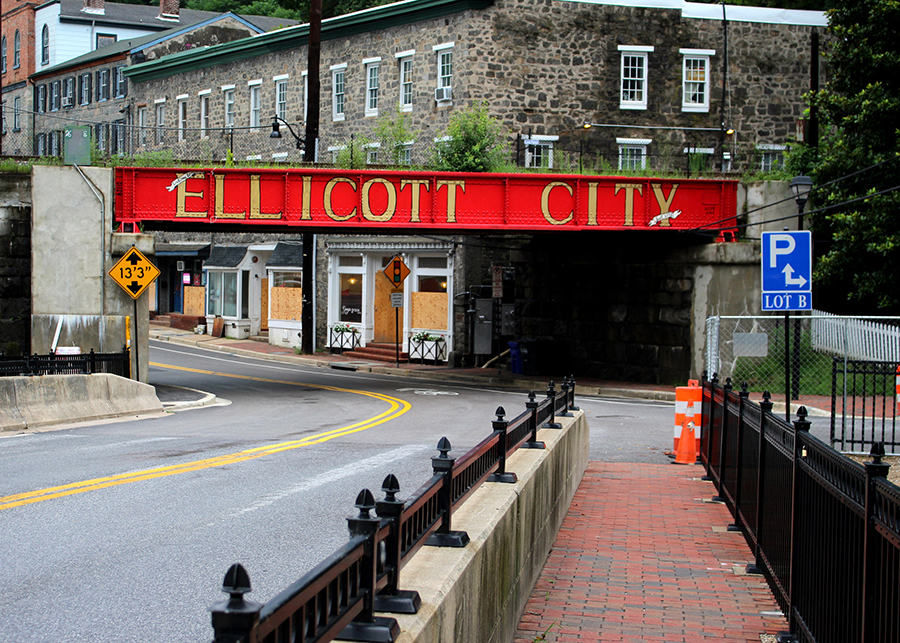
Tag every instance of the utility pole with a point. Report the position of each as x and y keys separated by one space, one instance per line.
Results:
x=309 y=156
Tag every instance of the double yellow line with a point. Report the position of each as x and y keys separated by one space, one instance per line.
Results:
x=397 y=407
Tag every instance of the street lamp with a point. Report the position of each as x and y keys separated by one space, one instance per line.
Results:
x=801 y=187
x=276 y=132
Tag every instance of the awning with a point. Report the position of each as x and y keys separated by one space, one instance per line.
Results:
x=225 y=257
x=181 y=249
x=286 y=255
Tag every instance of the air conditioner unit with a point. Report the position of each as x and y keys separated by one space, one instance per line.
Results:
x=179 y=266
x=442 y=93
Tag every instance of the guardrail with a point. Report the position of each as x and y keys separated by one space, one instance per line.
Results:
x=339 y=597
x=825 y=531
x=52 y=364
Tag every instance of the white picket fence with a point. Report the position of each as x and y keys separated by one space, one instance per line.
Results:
x=861 y=338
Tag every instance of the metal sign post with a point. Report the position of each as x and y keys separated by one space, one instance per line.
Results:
x=396 y=271
x=787 y=286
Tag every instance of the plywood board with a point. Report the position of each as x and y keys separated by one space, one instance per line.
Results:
x=287 y=303
x=194 y=300
x=386 y=316
x=264 y=305
x=429 y=310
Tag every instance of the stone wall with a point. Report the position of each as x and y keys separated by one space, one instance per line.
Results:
x=15 y=263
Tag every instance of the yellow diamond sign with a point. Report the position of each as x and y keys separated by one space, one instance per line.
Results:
x=134 y=272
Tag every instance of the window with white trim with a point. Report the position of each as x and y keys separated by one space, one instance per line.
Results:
x=405 y=62
x=142 y=125
x=372 y=153
x=539 y=151
x=281 y=96
x=255 y=105
x=120 y=82
x=228 y=95
x=204 y=112
x=633 y=153
x=160 y=106
x=41 y=99
x=338 y=75
x=17 y=114
x=45 y=45
x=182 y=116
x=68 y=92
x=103 y=84
x=404 y=153
x=633 y=85
x=54 y=95
x=373 y=67
x=17 y=50
x=84 y=88
x=444 y=91
x=695 y=79
x=3 y=54
x=771 y=156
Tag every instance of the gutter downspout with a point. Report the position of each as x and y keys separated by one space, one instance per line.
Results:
x=100 y=198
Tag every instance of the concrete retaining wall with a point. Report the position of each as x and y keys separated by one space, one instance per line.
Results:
x=31 y=402
x=478 y=593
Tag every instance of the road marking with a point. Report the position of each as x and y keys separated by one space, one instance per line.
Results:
x=397 y=408
x=426 y=391
x=354 y=468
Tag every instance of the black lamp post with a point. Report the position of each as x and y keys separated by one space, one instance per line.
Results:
x=801 y=186
x=276 y=132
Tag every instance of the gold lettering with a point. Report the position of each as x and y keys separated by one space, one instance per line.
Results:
x=592 y=203
x=388 y=213
x=629 y=199
x=414 y=209
x=181 y=194
x=305 y=200
x=220 y=201
x=328 y=188
x=256 y=201
x=451 y=196
x=664 y=203
x=545 y=202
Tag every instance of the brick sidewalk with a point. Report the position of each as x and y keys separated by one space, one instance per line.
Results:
x=637 y=559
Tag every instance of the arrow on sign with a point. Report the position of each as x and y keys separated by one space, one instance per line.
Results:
x=134 y=287
x=133 y=259
x=790 y=280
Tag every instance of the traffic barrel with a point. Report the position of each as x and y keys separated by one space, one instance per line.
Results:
x=692 y=393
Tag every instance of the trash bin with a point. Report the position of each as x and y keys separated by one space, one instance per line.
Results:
x=515 y=354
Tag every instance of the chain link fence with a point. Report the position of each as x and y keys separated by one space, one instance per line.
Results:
x=843 y=365
x=591 y=152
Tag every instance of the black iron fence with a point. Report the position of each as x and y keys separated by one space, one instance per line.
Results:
x=864 y=405
x=339 y=597
x=825 y=531
x=53 y=364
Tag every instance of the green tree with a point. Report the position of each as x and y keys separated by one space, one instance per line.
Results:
x=859 y=112
x=473 y=142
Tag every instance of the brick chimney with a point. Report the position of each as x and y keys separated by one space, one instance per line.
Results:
x=168 y=9
x=94 y=6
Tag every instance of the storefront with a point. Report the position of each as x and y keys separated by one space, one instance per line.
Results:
x=235 y=277
x=359 y=293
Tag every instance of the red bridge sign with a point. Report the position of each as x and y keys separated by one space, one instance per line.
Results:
x=452 y=202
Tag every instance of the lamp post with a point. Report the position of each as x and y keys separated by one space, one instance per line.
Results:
x=276 y=132
x=800 y=187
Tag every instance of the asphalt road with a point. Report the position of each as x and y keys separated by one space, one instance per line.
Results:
x=122 y=531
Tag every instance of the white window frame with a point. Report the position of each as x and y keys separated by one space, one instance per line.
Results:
x=103 y=84
x=338 y=91
x=84 y=87
x=770 y=153
x=255 y=88
x=142 y=125
x=159 y=106
x=182 y=116
x=633 y=145
x=404 y=153
x=405 y=70
x=281 y=95
x=204 y=95
x=68 y=92
x=228 y=97
x=120 y=81
x=689 y=103
x=41 y=99
x=373 y=70
x=45 y=45
x=641 y=54
x=17 y=113
x=545 y=143
x=444 y=54
x=372 y=150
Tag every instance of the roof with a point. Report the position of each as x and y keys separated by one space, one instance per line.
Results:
x=365 y=21
x=286 y=255
x=140 y=43
x=733 y=13
x=181 y=249
x=225 y=257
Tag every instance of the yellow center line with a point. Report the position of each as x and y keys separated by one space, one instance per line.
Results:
x=397 y=407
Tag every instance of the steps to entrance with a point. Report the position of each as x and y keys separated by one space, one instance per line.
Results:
x=378 y=353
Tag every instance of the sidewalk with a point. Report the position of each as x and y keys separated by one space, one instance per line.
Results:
x=641 y=556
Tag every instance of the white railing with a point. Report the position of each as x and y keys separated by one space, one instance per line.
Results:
x=855 y=338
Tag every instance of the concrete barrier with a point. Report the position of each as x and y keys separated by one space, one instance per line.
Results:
x=478 y=593
x=32 y=402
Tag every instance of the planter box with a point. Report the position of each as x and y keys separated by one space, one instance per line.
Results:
x=428 y=350
x=339 y=341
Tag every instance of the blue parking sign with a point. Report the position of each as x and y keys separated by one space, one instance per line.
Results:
x=787 y=270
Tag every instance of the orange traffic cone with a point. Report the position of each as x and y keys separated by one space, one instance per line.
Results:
x=687 y=445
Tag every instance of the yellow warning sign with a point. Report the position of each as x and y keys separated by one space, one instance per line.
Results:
x=134 y=272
